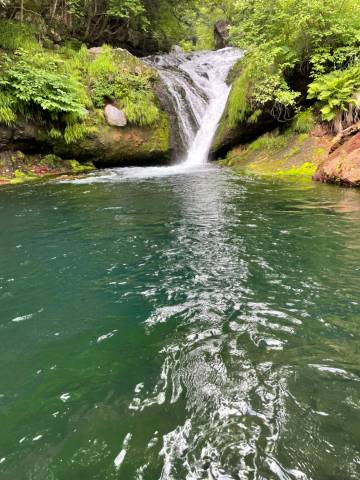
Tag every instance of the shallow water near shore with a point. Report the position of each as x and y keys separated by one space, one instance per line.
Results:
x=187 y=325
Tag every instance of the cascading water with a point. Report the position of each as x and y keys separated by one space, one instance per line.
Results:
x=197 y=92
x=197 y=89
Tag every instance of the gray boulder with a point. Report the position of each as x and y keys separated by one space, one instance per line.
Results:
x=221 y=34
x=114 y=116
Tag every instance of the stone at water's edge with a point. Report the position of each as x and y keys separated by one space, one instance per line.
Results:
x=16 y=167
x=342 y=166
x=114 y=116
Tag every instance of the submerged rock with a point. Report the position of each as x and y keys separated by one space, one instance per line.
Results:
x=114 y=116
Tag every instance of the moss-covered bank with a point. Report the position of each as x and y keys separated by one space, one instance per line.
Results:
x=280 y=154
x=16 y=167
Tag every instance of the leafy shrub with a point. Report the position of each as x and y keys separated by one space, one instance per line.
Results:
x=35 y=84
x=335 y=93
x=283 y=54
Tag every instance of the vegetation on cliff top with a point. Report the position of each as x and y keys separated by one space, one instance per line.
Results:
x=60 y=87
x=300 y=53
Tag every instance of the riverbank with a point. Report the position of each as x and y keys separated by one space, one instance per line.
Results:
x=280 y=154
x=316 y=155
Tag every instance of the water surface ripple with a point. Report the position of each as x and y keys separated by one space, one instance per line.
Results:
x=184 y=326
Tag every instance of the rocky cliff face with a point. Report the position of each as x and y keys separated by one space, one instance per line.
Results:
x=104 y=145
x=342 y=164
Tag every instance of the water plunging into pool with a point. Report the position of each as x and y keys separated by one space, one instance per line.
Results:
x=197 y=92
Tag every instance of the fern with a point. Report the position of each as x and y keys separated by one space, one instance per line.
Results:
x=140 y=109
x=33 y=85
x=55 y=133
x=335 y=93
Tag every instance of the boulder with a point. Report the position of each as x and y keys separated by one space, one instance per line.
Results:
x=221 y=34
x=114 y=116
x=109 y=146
x=342 y=165
x=104 y=145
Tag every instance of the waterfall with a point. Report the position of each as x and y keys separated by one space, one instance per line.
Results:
x=197 y=91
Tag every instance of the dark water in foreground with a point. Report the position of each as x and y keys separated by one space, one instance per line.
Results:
x=199 y=326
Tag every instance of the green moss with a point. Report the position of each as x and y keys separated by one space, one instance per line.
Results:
x=307 y=168
x=77 y=167
x=292 y=152
x=238 y=100
x=279 y=155
x=163 y=134
x=51 y=160
x=21 y=177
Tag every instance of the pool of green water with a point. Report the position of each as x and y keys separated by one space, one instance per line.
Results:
x=191 y=326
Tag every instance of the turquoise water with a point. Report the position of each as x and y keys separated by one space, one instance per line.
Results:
x=190 y=326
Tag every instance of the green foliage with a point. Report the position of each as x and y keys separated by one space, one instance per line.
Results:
x=75 y=132
x=125 y=8
x=124 y=79
x=59 y=88
x=303 y=121
x=35 y=84
x=335 y=91
x=7 y=114
x=55 y=133
x=238 y=99
x=281 y=50
x=269 y=142
x=14 y=35
x=139 y=108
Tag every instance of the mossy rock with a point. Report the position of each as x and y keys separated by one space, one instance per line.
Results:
x=278 y=154
x=115 y=146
